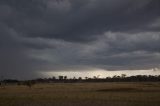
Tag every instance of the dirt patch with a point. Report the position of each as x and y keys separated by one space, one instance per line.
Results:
x=117 y=89
x=126 y=90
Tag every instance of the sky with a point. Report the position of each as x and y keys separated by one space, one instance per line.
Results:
x=44 y=37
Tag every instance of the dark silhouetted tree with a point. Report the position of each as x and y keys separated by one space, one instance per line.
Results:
x=60 y=77
x=29 y=83
x=65 y=77
x=123 y=75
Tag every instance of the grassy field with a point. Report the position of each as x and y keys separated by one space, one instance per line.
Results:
x=82 y=94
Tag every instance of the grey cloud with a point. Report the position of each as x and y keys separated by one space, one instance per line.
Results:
x=42 y=35
x=80 y=21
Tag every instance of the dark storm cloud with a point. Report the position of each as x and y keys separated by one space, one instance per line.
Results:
x=41 y=35
x=79 y=20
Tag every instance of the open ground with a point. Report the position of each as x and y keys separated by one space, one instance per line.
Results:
x=82 y=94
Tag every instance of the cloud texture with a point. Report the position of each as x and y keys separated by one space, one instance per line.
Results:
x=44 y=35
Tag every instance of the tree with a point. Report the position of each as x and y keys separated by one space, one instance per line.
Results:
x=65 y=77
x=80 y=78
x=123 y=75
x=2 y=84
x=74 y=78
x=94 y=77
x=115 y=76
x=53 y=78
x=86 y=78
x=29 y=83
x=60 y=77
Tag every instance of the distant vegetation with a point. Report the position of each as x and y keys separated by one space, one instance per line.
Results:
x=65 y=79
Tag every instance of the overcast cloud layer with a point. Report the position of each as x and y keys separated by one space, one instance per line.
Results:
x=44 y=35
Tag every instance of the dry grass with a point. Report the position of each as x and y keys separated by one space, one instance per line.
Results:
x=82 y=94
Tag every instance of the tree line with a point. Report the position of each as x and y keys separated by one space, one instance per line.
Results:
x=65 y=79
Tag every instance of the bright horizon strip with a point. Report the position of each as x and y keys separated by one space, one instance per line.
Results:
x=100 y=73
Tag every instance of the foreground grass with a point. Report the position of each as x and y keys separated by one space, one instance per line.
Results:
x=82 y=94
